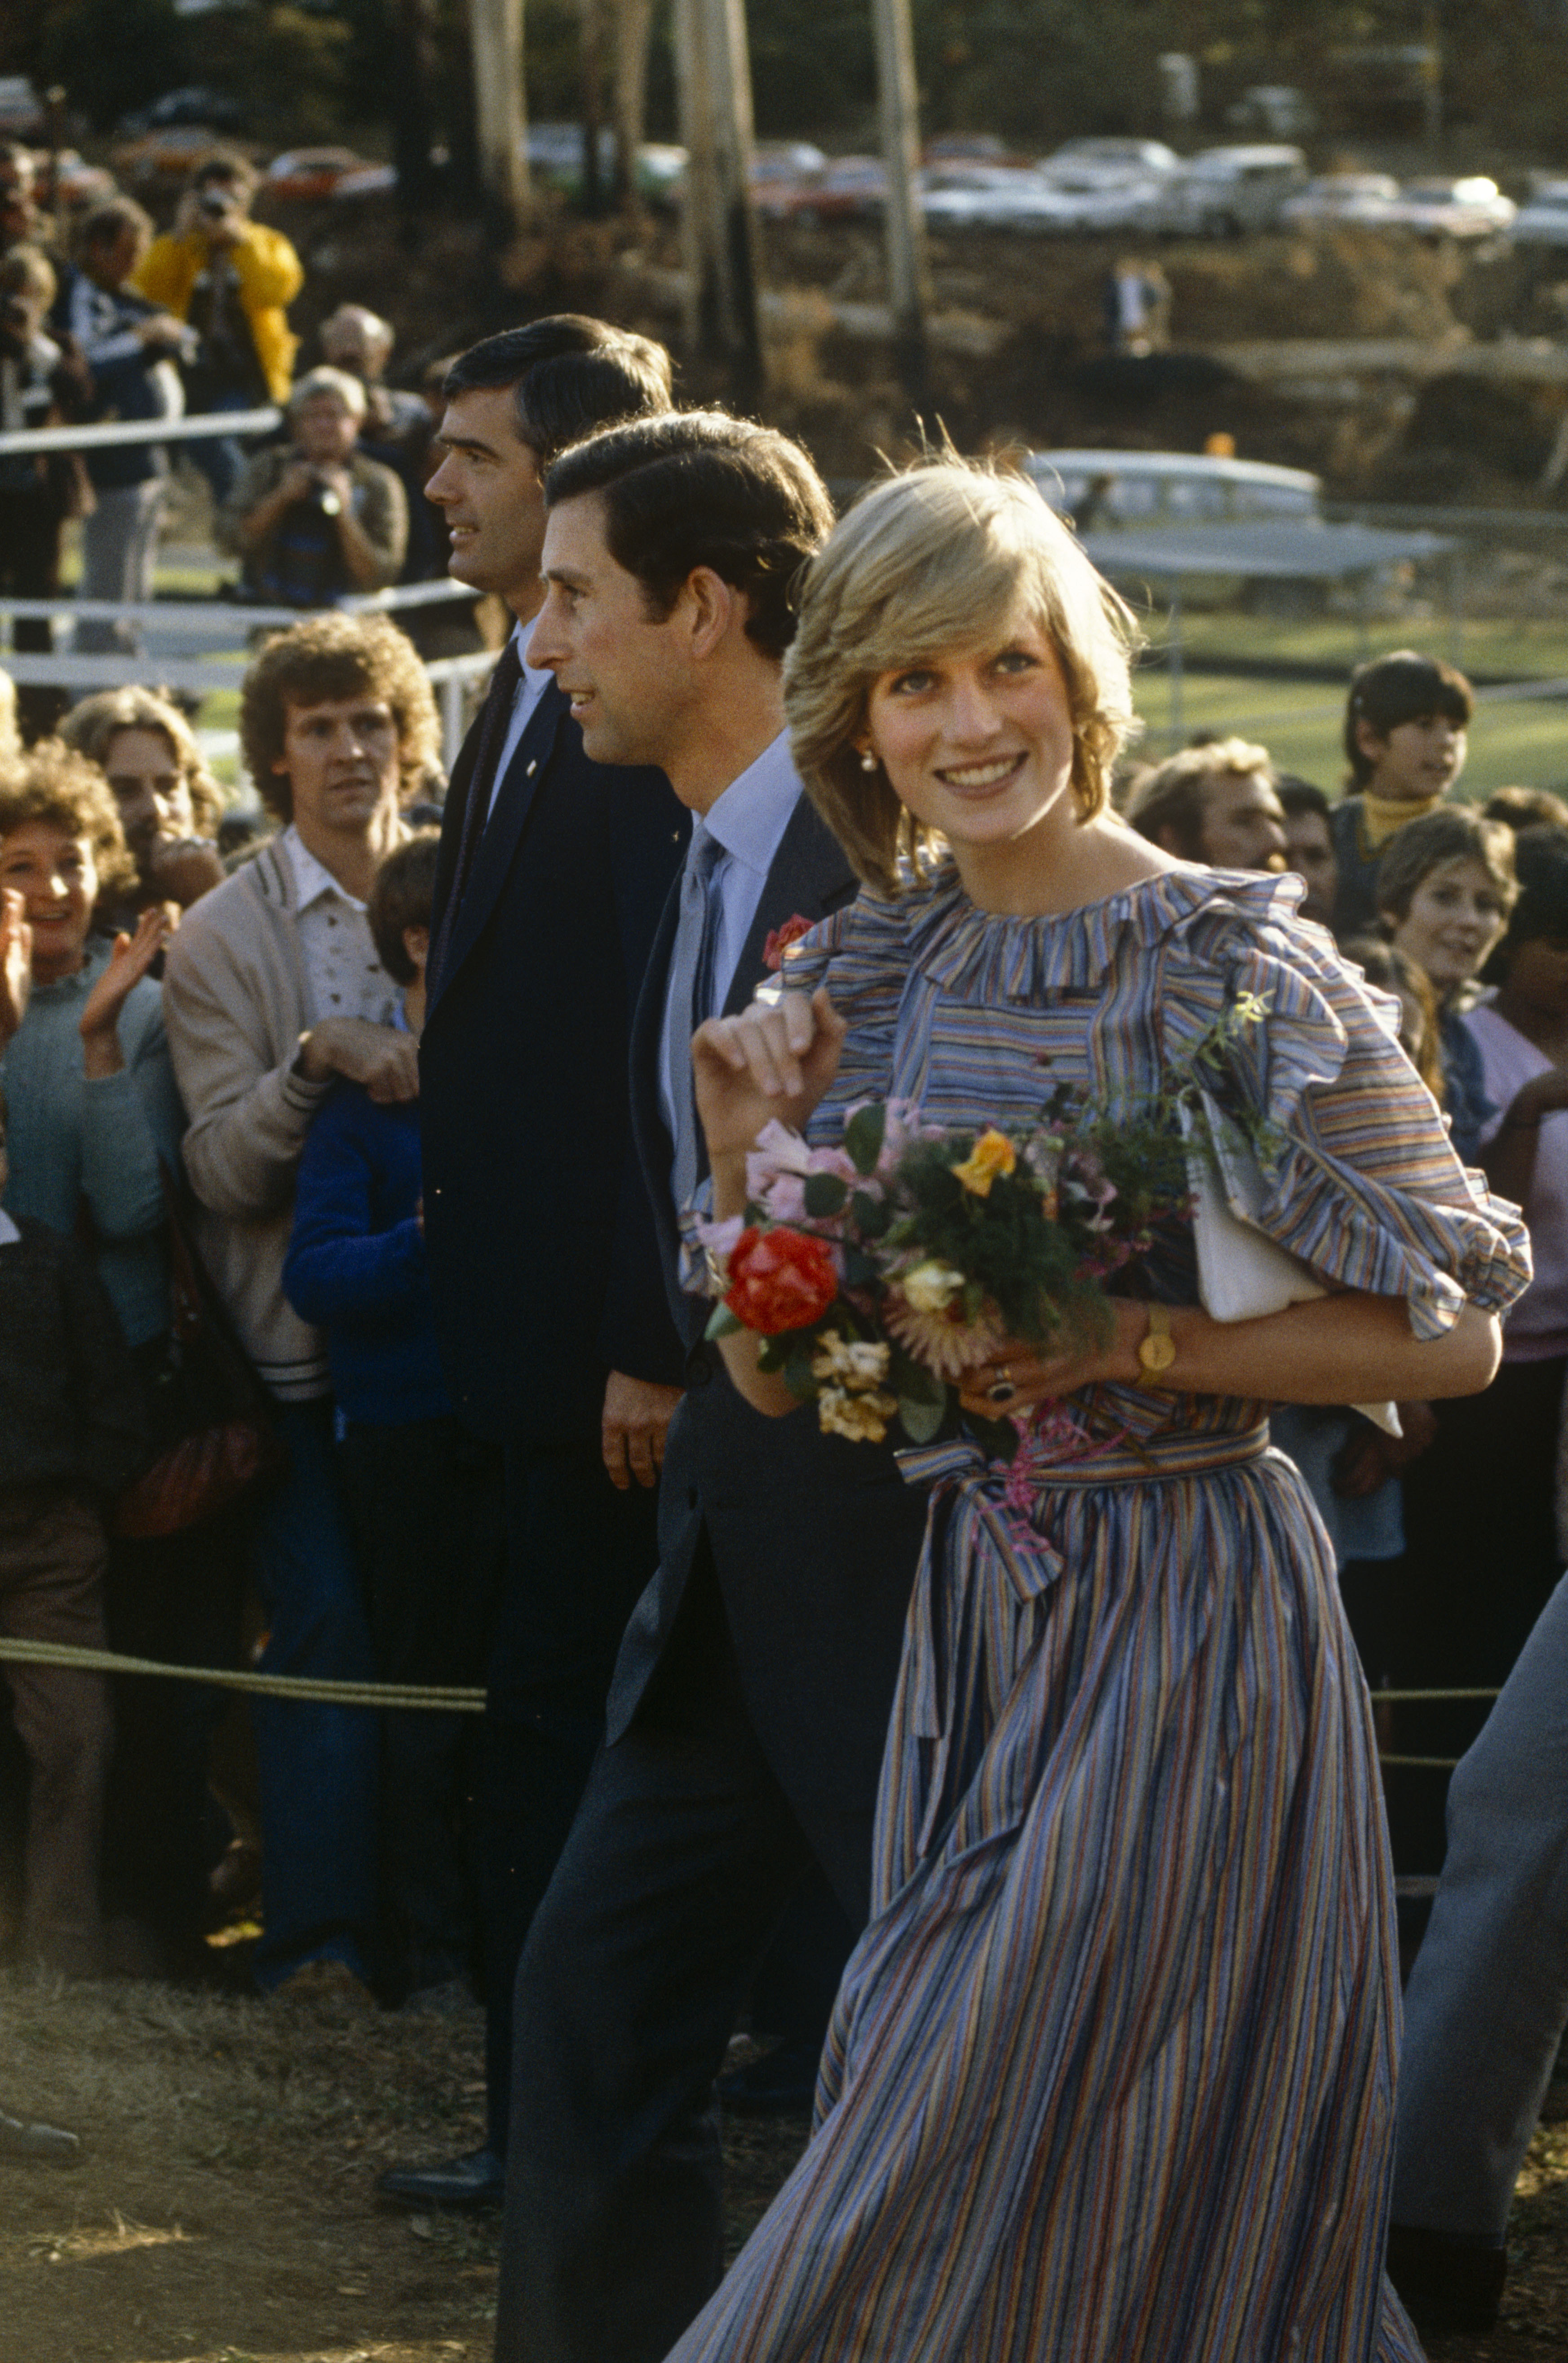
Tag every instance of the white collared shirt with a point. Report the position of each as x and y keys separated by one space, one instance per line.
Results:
x=343 y=974
x=530 y=689
x=9 y=1234
x=748 y=820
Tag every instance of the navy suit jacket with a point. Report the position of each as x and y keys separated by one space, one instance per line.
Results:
x=540 y=1231
x=814 y=1541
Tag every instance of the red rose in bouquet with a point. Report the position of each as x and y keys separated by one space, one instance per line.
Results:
x=779 y=1280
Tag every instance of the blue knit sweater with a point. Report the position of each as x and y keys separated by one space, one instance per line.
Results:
x=356 y=1259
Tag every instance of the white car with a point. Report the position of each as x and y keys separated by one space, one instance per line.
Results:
x=1224 y=191
x=1101 y=491
x=1341 y=197
x=993 y=196
x=1120 y=160
x=1103 y=201
x=1472 y=207
x=1545 y=221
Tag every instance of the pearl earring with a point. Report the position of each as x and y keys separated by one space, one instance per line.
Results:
x=868 y=761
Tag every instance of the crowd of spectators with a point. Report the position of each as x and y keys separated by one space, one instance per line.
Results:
x=214 y=1047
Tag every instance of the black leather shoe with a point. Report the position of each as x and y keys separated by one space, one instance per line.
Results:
x=1448 y=2282
x=20 y=2139
x=478 y=2179
x=780 y=2084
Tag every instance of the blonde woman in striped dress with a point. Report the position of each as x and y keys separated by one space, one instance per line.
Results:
x=1110 y=2078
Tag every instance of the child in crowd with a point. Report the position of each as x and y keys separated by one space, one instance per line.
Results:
x=1483 y=1554
x=70 y=1436
x=1444 y=889
x=1404 y=740
x=424 y=1495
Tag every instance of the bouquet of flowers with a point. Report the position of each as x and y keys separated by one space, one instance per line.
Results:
x=876 y=1273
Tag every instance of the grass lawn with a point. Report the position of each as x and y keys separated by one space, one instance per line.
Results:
x=1513 y=743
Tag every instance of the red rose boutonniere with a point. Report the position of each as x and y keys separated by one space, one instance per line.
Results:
x=780 y=939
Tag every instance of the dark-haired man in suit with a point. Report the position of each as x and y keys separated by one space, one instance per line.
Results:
x=552 y=876
x=753 y=1692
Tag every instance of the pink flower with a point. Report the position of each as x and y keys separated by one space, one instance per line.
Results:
x=780 y=940
x=781 y=1164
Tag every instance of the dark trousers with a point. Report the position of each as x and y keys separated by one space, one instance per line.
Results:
x=176 y=1598
x=51 y=1588
x=31 y=526
x=1481 y=1562
x=426 y=1505
x=316 y=1764
x=578 y=1554
x=678 y=1871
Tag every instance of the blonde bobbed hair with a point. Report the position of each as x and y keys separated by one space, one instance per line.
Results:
x=947 y=556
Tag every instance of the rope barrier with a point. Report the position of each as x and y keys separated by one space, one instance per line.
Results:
x=438 y=1698
x=1422 y=1698
x=430 y=1697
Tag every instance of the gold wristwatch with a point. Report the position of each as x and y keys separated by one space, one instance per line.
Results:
x=1157 y=1349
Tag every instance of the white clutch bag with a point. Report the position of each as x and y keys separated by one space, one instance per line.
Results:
x=1241 y=1273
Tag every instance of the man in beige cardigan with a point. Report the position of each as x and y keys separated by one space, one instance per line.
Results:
x=273 y=988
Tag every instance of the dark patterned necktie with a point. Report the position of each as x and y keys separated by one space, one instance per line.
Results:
x=497 y=713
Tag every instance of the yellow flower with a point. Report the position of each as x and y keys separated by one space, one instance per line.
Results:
x=861 y=1417
x=857 y=1365
x=992 y=1153
x=931 y=1287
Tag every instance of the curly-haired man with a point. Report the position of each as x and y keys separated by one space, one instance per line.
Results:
x=273 y=989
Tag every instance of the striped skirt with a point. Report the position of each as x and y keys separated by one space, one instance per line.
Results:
x=1111 y=2073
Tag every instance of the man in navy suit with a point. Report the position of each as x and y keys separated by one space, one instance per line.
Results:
x=552 y=872
x=752 y=1691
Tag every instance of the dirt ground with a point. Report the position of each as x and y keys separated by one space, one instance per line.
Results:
x=224 y=2209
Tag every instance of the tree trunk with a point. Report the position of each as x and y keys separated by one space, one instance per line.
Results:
x=498 y=32
x=628 y=95
x=592 y=55
x=719 y=224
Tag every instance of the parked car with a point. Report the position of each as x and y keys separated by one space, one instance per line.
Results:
x=302 y=173
x=1103 y=490
x=993 y=196
x=554 y=152
x=158 y=158
x=194 y=105
x=848 y=188
x=1276 y=109
x=1341 y=197
x=1119 y=159
x=21 y=109
x=364 y=181
x=1103 y=199
x=1224 y=191
x=1545 y=221
x=784 y=159
x=1439 y=207
x=966 y=148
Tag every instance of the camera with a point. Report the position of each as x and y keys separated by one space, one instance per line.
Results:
x=211 y=207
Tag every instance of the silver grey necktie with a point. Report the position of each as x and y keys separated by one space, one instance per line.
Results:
x=692 y=970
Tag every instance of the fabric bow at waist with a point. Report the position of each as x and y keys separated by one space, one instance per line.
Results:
x=974 y=1618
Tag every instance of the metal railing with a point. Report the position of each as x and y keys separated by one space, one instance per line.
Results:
x=197 y=671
